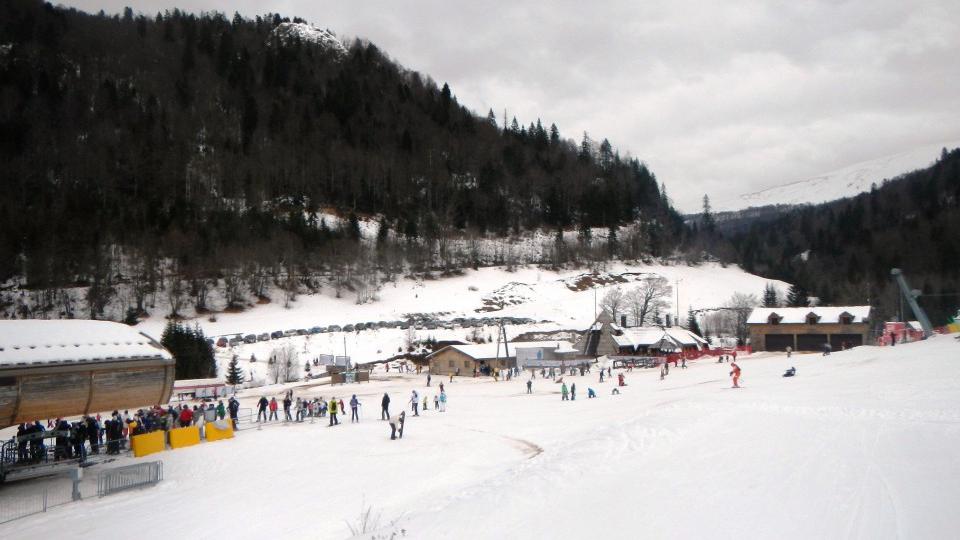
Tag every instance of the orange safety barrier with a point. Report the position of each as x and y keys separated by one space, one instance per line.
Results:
x=148 y=443
x=185 y=436
x=219 y=430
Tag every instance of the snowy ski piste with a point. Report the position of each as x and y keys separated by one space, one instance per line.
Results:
x=859 y=444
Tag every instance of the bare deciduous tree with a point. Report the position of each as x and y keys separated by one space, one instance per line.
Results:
x=742 y=304
x=650 y=296
x=284 y=365
x=613 y=301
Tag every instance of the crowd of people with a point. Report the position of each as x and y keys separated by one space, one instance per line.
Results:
x=95 y=434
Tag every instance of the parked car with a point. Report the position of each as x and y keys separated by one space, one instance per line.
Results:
x=348 y=328
x=302 y=331
x=289 y=333
x=250 y=338
x=263 y=337
x=316 y=330
x=276 y=334
x=235 y=341
x=334 y=328
x=222 y=342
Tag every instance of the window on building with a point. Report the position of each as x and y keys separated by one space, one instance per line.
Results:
x=774 y=319
x=453 y=363
x=846 y=318
x=812 y=318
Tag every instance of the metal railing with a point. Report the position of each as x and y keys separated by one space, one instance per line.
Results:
x=14 y=507
x=129 y=477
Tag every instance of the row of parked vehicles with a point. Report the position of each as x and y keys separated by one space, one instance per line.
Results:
x=418 y=324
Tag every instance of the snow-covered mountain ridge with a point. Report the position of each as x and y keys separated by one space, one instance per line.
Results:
x=845 y=182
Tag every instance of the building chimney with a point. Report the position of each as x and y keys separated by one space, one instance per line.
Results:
x=669 y=321
x=623 y=321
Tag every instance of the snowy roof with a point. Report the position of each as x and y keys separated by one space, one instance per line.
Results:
x=182 y=384
x=485 y=351
x=798 y=315
x=26 y=342
x=644 y=336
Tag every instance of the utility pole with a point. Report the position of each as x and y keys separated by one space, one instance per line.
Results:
x=677 y=318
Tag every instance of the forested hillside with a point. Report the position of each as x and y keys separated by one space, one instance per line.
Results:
x=134 y=146
x=843 y=251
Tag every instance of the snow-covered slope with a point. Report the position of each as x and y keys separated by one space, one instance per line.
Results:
x=841 y=183
x=851 y=447
x=308 y=33
x=556 y=300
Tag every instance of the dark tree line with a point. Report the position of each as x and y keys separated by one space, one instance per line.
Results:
x=842 y=251
x=214 y=143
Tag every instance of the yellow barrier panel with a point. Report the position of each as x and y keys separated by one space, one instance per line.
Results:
x=185 y=436
x=148 y=443
x=953 y=328
x=221 y=429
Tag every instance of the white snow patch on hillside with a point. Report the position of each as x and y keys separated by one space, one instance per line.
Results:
x=849 y=448
x=845 y=182
x=308 y=33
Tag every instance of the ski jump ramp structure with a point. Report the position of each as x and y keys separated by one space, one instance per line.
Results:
x=59 y=368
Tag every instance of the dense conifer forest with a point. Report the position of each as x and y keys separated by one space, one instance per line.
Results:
x=176 y=153
x=212 y=142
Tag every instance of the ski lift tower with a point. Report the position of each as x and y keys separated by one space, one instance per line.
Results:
x=502 y=337
x=910 y=295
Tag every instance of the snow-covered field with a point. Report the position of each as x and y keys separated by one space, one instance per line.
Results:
x=528 y=292
x=860 y=444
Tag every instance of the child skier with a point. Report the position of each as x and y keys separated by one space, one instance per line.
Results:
x=735 y=374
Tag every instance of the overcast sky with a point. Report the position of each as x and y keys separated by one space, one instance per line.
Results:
x=720 y=98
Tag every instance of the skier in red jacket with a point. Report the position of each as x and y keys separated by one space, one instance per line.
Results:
x=736 y=374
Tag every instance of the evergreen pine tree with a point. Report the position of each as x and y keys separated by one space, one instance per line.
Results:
x=692 y=324
x=709 y=223
x=797 y=297
x=234 y=373
x=770 y=296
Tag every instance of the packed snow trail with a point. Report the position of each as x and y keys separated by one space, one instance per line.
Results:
x=860 y=444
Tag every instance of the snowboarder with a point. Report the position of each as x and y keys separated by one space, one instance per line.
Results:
x=333 y=412
x=415 y=403
x=529 y=386
x=262 y=409
x=564 y=393
x=573 y=391
x=790 y=372
x=591 y=394
x=385 y=407
x=354 y=404
x=735 y=374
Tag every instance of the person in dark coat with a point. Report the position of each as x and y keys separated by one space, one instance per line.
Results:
x=234 y=406
x=93 y=433
x=262 y=409
x=385 y=407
